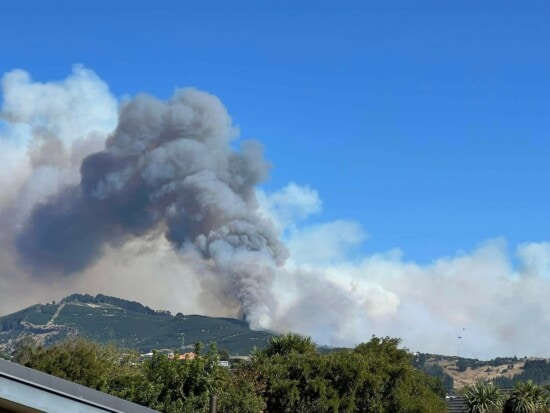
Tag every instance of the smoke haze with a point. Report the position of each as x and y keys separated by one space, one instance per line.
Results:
x=158 y=201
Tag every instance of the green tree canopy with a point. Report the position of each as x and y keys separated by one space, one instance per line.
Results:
x=289 y=375
x=527 y=397
x=100 y=367
x=483 y=398
x=289 y=343
x=374 y=377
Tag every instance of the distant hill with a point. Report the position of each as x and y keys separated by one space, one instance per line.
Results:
x=457 y=372
x=126 y=324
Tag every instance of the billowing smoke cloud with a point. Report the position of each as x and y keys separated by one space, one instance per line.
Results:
x=167 y=164
x=154 y=201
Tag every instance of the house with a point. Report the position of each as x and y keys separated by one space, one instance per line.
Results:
x=187 y=356
x=24 y=390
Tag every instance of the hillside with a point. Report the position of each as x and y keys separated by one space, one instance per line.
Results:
x=458 y=372
x=126 y=324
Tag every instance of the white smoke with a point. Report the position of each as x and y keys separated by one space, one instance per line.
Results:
x=48 y=128
x=221 y=255
x=495 y=307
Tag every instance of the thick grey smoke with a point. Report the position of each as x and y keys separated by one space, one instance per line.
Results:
x=170 y=165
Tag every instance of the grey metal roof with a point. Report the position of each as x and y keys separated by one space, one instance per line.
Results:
x=27 y=390
x=456 y=405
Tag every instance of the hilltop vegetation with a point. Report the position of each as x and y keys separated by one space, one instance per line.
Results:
x=126 y=324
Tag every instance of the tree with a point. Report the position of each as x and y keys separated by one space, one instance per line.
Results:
x=171 y=385
x=25 y=350
x=391 y=383
x=289 y=375
x=374 y=377
x=242 y=392
x=93 y=365
x=483 y=398
x=462 y=364
x=224 y=354
x=289 y=343
x=527 y=397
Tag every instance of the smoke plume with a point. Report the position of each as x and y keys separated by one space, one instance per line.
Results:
x=159 y=201
x=170 y=165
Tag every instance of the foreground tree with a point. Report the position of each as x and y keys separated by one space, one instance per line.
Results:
x=289 y=375
x=93 y=365
x=289 y=343
x=173 y=386
x=374 y=377
x=527 y=397
x=483 y=398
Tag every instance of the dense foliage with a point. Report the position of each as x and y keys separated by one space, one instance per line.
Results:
x=537 y=371
x=483 y=398
x=289 y=375
x=117 y=302
x=432 y=369
x=525 y=397
x=100 y=367
x=374 y=377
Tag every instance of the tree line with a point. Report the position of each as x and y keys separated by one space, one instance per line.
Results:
x=537 y=371
x=288 y=375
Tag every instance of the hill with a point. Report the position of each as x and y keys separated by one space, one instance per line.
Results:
x=127 y=324
x=458 y=372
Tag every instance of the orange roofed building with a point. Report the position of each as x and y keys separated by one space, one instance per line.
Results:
x=187 y=356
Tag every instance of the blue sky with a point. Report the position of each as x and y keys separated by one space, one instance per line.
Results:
x=425 y=122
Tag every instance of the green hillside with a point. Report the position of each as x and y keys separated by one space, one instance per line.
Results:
x=126 y=324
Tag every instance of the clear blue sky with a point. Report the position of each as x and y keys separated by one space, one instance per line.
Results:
x=427 y=122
